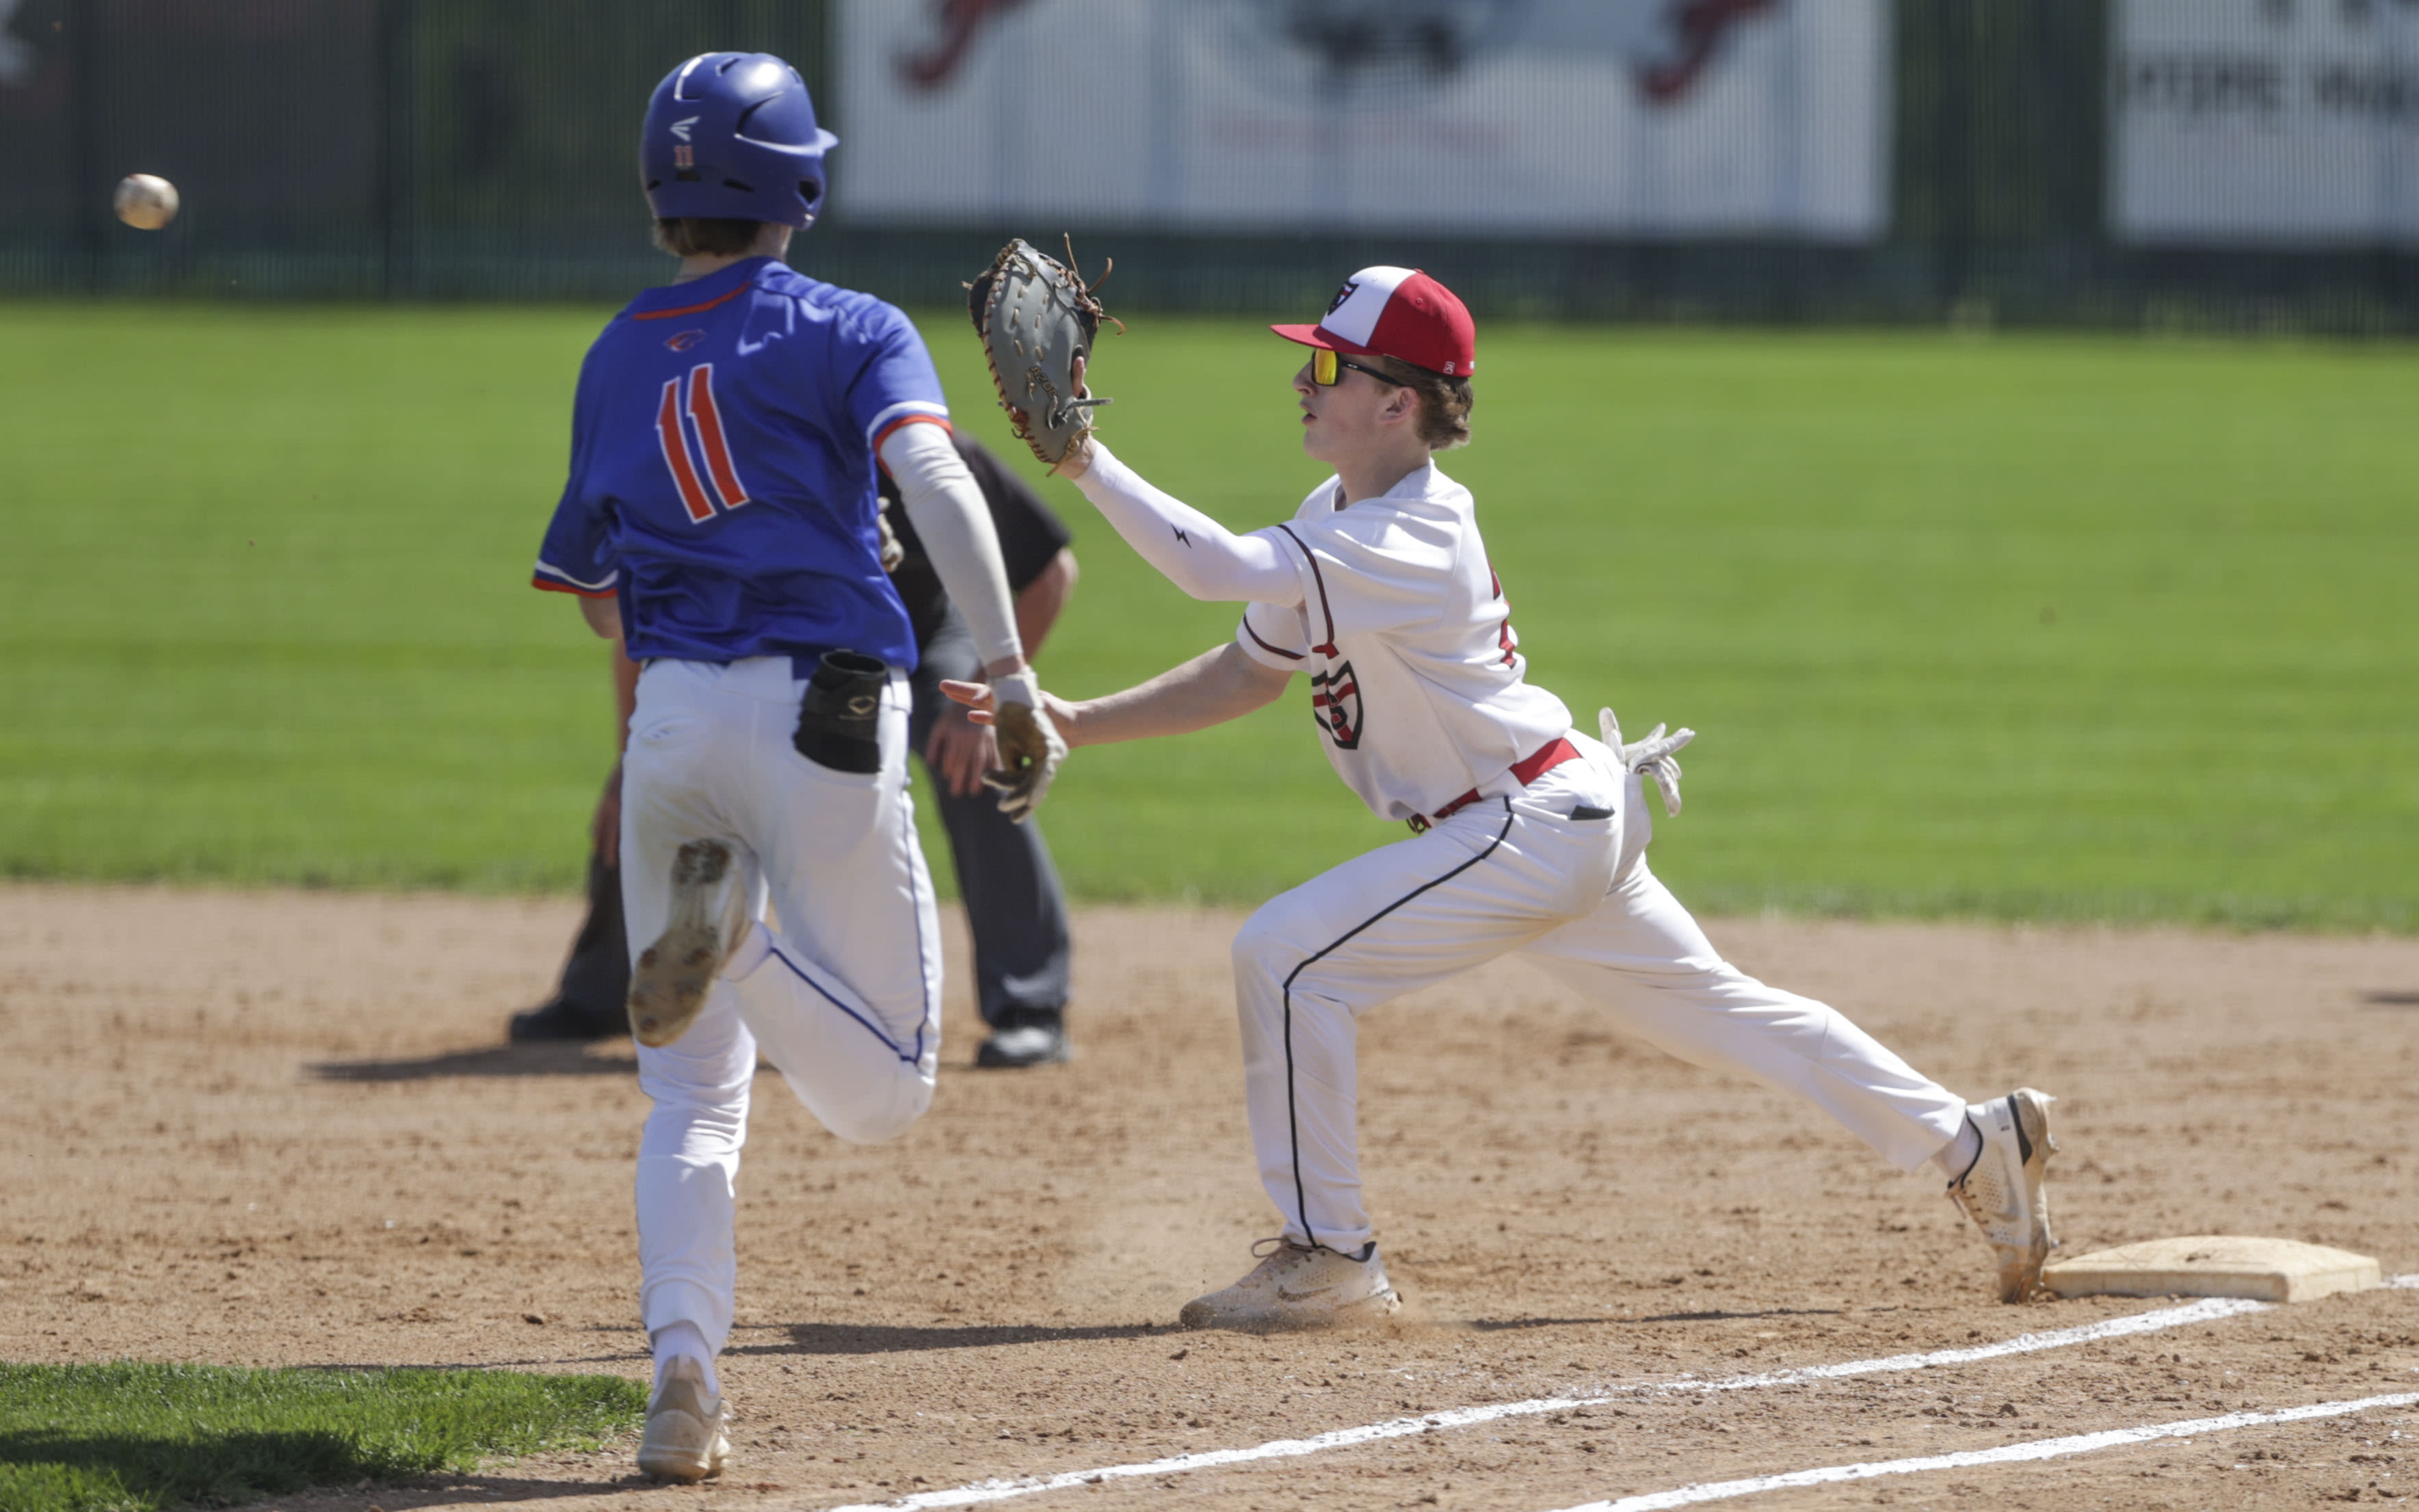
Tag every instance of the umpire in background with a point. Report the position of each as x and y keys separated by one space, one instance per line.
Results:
x=1014 y=904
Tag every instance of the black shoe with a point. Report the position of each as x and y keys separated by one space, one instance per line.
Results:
x=559 y=1020
x=1036 y=1037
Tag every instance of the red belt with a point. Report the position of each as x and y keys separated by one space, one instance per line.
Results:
x=1528 y=771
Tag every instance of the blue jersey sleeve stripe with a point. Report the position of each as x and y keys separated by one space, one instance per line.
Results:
x=549 y=576
x=881 y=424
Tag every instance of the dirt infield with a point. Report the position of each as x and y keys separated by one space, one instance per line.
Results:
x=278 y=1128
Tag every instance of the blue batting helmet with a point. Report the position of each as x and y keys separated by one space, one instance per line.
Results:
x=733 y=135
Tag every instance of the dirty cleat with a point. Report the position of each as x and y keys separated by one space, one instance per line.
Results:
x=1299 y=1287
x=2002 y=1190
x=684 y=1439
x=668 y=987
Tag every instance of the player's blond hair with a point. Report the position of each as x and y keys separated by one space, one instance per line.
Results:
x=703 y=236
x=1445 y=402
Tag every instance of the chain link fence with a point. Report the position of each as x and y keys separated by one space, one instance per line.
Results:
x=465 y=150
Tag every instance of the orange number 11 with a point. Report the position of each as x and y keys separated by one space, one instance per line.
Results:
x=707 y=421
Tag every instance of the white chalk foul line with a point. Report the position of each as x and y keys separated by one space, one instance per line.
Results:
x=2080 y=1443
x=2207 y=1310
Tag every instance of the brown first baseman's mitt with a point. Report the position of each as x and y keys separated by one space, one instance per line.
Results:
x=1030 y=746
x=1037 y=320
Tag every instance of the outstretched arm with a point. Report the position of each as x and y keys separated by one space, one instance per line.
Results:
x=1212 y=688
x=945 y=503
x=1194 y=552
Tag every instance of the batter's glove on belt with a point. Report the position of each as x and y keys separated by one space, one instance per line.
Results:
x=840 y=719
x=1030 y=747
x=1657 y=756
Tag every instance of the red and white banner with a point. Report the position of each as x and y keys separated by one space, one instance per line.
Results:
x=1631 y=118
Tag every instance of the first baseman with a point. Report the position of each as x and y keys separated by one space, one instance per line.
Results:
x=1529 y=835
x=721 y=514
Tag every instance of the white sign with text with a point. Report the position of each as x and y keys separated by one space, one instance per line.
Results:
x=2286 y=123
x=1648 y=118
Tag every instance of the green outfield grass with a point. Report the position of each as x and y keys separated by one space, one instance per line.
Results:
x=2015 y=626
x=128 y=1437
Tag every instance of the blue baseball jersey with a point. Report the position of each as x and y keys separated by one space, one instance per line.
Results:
x=723 y=445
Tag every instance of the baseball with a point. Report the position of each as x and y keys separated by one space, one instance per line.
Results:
x=145 y=201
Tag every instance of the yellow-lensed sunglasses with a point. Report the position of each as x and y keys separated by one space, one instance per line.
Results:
x=1326 y=369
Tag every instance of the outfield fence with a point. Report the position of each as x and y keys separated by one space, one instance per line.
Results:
x=2114 y=164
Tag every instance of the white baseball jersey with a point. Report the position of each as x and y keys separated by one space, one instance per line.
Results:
x=1416 y=677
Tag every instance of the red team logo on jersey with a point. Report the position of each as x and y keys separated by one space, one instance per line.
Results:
x=1335 y=703
x=706 y=417
x=683 y=341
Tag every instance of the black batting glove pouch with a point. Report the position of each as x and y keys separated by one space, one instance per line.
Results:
x=839 y=717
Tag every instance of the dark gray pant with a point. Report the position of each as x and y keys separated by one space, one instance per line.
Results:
x=1013 y=902
x=1015 y=906
x=596 y=979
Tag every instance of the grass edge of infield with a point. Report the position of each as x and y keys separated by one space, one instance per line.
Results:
x=135 y=1436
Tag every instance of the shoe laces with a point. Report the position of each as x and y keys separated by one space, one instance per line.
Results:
x=1284 y=1247
x=1280 y=1253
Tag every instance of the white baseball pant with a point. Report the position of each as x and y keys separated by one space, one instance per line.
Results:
x=1517 y=872
x=847 y=1004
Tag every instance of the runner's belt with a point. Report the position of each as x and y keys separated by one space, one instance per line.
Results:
x=1528 y=771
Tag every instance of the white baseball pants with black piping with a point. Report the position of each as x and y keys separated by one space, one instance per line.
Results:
x=1574 y=895
x=846 y=1006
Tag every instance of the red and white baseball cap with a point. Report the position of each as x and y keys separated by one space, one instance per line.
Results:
x=1399 y=312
